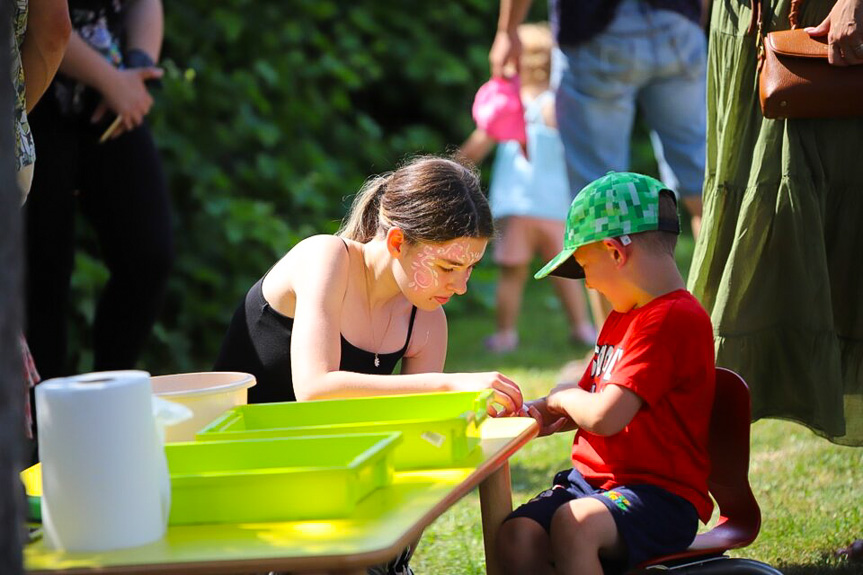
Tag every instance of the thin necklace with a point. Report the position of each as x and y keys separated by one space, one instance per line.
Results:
x=371 y=320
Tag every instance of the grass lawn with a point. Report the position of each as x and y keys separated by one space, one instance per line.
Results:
x=810 y=491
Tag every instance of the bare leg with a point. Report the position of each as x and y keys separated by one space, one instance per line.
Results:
x=510 y=288
x=571 y=294
x=580 y=531
x=523 y=547
x=694 y=207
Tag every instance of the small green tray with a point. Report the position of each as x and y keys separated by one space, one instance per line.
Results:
x=294 y=478
x=439 y=429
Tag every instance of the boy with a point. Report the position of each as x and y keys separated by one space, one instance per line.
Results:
x=638 y=485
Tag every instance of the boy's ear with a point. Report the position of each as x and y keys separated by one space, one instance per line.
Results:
x=396 y=242
x=616 y=250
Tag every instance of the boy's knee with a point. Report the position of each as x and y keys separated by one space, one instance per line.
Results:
x=521 y=545
x=585 y=526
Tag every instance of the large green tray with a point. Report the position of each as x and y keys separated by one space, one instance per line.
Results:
x=439 y=429
x=292 y=478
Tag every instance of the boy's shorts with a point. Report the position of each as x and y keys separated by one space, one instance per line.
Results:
x=651 y=521
x=523 y=237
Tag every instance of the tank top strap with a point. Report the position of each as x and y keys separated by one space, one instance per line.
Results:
x=410 y=329
x=533 y=110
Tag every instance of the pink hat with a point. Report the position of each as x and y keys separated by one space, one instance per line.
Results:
x=497 y=109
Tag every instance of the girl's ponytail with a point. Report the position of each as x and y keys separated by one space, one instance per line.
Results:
x=363 y=219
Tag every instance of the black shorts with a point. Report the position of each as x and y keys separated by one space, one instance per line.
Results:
x=651 y=521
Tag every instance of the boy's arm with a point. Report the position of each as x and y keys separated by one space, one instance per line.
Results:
x=603 y=413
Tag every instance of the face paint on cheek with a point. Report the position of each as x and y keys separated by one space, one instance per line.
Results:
x=425 y=276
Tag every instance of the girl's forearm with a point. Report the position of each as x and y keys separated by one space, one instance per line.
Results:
x=341 y=384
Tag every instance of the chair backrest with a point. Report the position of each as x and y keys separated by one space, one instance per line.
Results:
x=740 y=517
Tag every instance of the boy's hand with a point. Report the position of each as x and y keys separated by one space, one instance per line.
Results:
x=548 y=423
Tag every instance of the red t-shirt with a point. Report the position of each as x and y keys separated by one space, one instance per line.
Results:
x=663 y=352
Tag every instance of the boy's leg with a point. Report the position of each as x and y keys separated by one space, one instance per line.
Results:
x=581 y=532
x=523 y=542
x=523 y=546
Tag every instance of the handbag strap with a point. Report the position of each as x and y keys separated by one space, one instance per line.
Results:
x=756 y=23
x=794 y=12
x=756 y=19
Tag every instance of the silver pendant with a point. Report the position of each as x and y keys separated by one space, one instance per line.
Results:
x=377 y=361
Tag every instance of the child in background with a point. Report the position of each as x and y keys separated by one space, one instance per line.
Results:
x=530 y=196
x=638 y=485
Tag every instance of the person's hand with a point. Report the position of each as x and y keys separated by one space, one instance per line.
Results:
x=505 y=54
x=127 y=96
x=506 y=392
x=548 y=423
x=844 y=30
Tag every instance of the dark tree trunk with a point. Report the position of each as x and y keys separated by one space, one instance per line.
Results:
x=11 y=386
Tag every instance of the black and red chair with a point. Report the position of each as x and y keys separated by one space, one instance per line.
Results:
x=739 y=515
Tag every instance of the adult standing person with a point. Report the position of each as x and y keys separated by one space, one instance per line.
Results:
x=613 y=57
x=41 y=30
x=96 y=151
x=776 y=263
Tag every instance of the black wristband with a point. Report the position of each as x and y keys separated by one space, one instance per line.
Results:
x=137 y=58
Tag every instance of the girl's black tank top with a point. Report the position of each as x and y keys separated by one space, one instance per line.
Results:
x=258 y=341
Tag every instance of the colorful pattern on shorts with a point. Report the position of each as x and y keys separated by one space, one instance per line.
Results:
x=618 y=499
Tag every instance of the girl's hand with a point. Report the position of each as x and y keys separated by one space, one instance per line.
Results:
x=126 y=95
x=844 y=30
x=506 y=392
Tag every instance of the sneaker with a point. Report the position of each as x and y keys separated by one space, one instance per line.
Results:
x=501 y=342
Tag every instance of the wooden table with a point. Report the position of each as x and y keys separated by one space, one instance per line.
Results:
x=381 y=526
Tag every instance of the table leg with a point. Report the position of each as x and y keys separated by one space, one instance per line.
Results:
x=495 y=501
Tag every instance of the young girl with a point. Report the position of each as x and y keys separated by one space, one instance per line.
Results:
x=530 y=197
x=336 y=313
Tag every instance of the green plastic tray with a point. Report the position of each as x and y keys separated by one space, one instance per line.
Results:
x=439 y=429
x=320 y=477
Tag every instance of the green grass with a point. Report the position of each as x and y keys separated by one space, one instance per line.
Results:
x=810 y=490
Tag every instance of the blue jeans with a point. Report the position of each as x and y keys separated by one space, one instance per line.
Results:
x=650 y=58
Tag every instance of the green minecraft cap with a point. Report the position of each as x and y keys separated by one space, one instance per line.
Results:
x=615 y=205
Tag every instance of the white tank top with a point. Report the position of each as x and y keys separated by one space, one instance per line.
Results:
x=535 y=186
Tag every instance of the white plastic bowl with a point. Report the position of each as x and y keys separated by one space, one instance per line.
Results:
x=208 y=394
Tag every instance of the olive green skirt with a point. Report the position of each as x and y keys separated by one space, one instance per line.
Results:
x=779 y=263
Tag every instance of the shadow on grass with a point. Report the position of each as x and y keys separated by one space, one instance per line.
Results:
x=844 y=568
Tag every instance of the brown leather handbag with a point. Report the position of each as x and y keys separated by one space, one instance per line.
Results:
x=797 y=81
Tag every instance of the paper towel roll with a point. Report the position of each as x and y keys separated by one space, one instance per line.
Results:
x=105 y=480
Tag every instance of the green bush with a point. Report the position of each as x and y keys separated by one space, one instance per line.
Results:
x=271 y=116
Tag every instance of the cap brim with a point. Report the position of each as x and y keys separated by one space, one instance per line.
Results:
x=562 y=265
